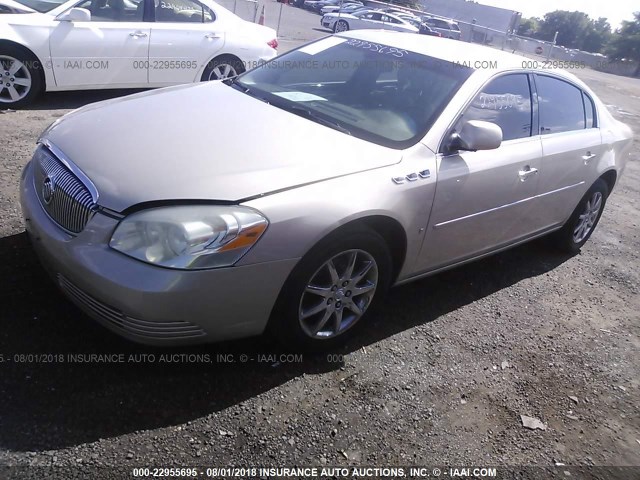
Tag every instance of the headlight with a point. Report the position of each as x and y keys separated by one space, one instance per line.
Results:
x=189 y=237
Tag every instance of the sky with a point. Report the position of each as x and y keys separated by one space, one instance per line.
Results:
x=615 y=10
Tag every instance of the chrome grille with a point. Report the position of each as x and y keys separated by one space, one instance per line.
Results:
x=133 y=326
x=62 y=194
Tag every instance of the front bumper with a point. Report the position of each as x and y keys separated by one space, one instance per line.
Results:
x=149 y=304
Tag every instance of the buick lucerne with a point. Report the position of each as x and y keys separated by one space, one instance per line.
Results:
x=400 y=160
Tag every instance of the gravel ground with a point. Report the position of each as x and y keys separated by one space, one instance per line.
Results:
x=441 y=377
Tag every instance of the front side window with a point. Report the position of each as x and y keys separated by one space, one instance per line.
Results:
x=505 y=101
x=114 y=10
x=561 y=106
x=370 y=16
x=182 y=11
x=383 y=94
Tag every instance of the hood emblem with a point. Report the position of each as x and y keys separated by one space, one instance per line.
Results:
x=48 y=189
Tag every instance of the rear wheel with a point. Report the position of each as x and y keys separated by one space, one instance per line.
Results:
x=341 y=26
x=20 y=77
x=331 y=291
x=583 y=220
x=224 y=66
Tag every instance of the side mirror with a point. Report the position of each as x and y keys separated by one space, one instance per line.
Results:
x=476 y=135
x=75 y=15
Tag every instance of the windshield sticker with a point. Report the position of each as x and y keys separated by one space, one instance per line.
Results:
x=322 y=45
x=300 y=96
x=376 y=47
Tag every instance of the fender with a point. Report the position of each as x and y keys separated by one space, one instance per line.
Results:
x=30 y=31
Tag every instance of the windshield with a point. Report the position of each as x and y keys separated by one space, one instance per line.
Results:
x=376 y=92
x=42 y=5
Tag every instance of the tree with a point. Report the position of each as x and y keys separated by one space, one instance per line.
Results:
x=598 y=35
x=626 y=41
x=572 y=27
x=528 y=27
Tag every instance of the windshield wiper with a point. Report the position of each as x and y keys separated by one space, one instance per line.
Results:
x=233 y=82
x=307 y=113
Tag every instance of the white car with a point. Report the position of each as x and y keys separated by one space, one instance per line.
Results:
x=97 y=44
x=341 y=22
x=345 y=8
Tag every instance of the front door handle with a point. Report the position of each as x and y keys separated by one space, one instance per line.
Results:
x=588 y=157
x=137 y=34
x=526 y=172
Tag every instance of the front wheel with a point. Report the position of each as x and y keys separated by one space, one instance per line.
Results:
x=222 y=67
x=331 y=290
x=341 y=26
x=575 y=233
x=20 y=77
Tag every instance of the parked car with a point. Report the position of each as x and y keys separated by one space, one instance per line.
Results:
x=317 y=5
x=423 y=28
x=448 y=28
x=98 y=44
x=346 y=8
x=229 y=231
x=400 y=12
x=366 y=19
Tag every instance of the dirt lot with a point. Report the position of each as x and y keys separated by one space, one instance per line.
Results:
x=441 y=377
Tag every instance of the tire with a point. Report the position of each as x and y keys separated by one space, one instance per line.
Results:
x=340 y=26
x=584 y=219
x=224 y=66
x=300 y=310
x=21 y=87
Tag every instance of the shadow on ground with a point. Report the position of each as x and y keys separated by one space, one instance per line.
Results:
x=47 y=402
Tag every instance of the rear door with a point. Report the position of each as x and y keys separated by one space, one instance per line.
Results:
x=486 y=199
x=571 y=146
x=185 y=35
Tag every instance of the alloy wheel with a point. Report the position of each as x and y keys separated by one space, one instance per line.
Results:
x=222 y=71
x=338 y=294
x=15 y=79
x=342 y=26
x=588 y=218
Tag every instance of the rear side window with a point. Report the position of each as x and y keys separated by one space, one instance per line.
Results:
x=182 y=11
x=561 y=106
x=505 y=101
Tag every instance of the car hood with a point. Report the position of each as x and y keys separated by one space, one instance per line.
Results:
x=206 y=141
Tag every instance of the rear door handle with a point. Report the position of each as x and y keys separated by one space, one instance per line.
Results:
x=588 y=157
x=526 y=172
x=137 y=34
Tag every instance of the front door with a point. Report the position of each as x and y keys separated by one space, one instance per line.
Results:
x=486 y=199
x=110 y=50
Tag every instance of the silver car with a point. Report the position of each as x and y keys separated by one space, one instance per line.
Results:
x=290 y=198
x=446 y=28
